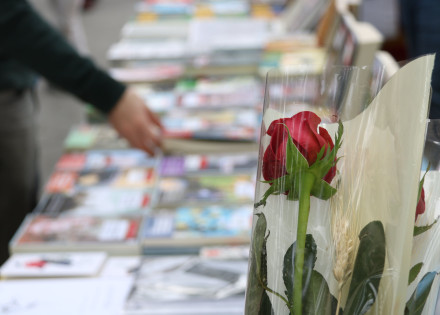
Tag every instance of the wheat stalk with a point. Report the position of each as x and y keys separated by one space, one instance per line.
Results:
x=344 y=229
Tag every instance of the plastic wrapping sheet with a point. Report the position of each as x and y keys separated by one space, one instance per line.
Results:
x=426 y=245
x=377 y=180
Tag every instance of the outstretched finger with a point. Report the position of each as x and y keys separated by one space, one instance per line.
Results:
x=150 y=136
x=155 y=118
x=144 y=145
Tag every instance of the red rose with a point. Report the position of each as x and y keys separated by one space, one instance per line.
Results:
x=309 y=140
x=421 y=204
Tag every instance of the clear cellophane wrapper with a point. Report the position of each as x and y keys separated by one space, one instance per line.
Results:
x=378 y=174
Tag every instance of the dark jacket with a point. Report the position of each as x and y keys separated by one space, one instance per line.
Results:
x=421 y=25
x=29 y=45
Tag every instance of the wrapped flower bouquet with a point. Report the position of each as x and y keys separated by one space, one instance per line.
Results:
x=336 y=198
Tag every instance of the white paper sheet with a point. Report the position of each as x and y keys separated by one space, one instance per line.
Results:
x=64 y=296
x=121 y=266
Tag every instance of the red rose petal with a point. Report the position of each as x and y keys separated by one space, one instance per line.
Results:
x=304 y=135
x=330 y=175
x=275 y=125
x=303 y=128
x=272 y=167
x=326 y=136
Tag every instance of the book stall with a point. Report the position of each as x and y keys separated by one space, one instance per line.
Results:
x=237 y=215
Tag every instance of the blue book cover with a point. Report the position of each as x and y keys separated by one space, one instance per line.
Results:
x=192 y=226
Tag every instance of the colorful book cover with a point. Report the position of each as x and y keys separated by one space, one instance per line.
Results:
x=136 y=177
x=133 y=177
x=172 y=166
x=61 y=181
x=98 y=136
x=81 y=137
x=207 y=189
x=197 y=226
x=193 y=164
x=39 y=233
x=155 y=73
x=71 y=161
x=98 y=159
x=97 y=201
x=212 y=124
x=232 y=91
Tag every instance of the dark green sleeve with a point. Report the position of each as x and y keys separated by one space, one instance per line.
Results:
x=27 y=38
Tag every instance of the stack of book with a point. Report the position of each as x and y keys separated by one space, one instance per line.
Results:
x=94 y=200
x=204 y=132
x=203 y=200
x=200 y=115
x=122 y=201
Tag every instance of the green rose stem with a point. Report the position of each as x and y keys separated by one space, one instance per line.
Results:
x=306 y=183
x=300 y=181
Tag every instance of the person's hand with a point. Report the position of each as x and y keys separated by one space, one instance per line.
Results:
x=136 y=122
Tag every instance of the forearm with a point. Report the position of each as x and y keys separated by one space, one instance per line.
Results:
x=26 y=37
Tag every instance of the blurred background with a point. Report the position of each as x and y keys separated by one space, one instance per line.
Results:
x=102 y=21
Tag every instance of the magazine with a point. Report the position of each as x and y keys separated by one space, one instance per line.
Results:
x=158 y=101
x=133 y=177
x=100 y=159
x=40 y=233
x=179 y=146
x=193 y=164
x=235 y=91
x=196 y=226
x=148 y=73
x=155 y=29
x=96 y=201
x=298 y=62
x=188 y=285
x=206 y=189
x=149 y=50
x=97 y=136
x=213 y=124
x=72 y=161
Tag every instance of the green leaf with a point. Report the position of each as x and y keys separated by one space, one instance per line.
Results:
x=266 y=195
x=258 y=267
x=321 y=166
x=282 y=184
x=417 y=301
x=338 y=136
x=421 y=229
x=259 y=247
x=322 y=190
x=321 y=153
x=295 y=161
x=294 y=187
x=265 y=305
x=318 y=299
x=289 y=266
x=279 y=186
x=368 y=269
x=422 y=182
x=414 y=272
x=267 y=181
